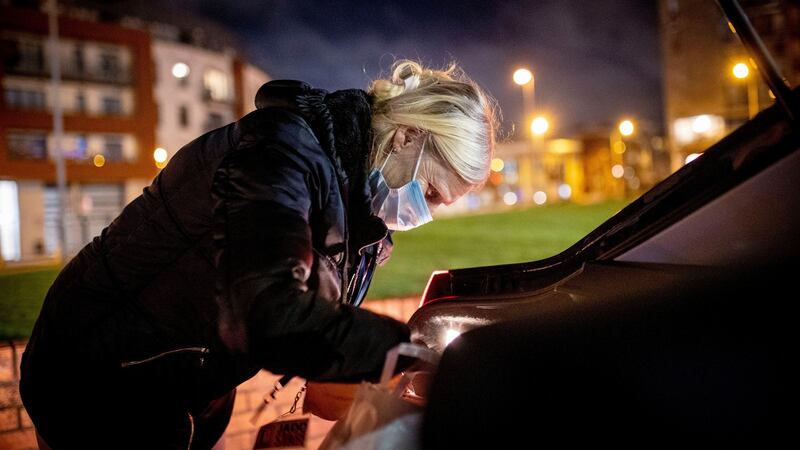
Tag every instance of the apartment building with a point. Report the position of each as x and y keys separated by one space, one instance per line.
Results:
x=132 y=94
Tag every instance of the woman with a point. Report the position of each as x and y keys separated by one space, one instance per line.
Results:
x=252 y=249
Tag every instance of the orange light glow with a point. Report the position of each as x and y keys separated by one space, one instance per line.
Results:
x=497 y=165
x=522 y=76
x=740 y=70
x=539 y=126
x=626 y=128
x=617 y=171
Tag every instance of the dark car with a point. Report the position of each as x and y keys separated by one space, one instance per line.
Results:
x=670 y=324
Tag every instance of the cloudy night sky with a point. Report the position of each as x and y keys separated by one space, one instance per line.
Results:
x=595 y=61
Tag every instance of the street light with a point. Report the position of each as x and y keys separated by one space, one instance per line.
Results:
x=529 y=165
x=522 y=76
x=160 y=156
x=524 y=79
x=741 y=71
x=626 y=128
x=539 y=126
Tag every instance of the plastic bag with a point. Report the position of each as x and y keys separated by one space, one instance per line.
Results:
x=330 y=401
x=379 y=417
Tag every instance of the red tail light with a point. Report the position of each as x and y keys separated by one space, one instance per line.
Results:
x=438 y=286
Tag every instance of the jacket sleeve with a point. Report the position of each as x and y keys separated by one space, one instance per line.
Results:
x=267 y=286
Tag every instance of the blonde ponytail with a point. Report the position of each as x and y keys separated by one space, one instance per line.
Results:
x=458 y=115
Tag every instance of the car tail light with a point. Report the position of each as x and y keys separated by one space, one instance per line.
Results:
x=438 y=286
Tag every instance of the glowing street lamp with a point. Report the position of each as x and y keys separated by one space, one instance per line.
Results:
x=160 y=156
x=522 y=76
x=539 y=126
x=525 y=80
x=741 y=71
x=626 y=128
x=497 y=165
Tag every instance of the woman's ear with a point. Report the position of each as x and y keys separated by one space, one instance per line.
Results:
x=401 y=138
x=406 y=137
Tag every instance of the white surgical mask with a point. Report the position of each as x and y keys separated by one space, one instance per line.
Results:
x=401 y=208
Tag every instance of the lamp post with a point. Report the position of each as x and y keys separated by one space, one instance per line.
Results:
x=527 y=163
x=539 y=127
x=525 y=80
x=53 y=44
x=624 y=129
x=741 y=71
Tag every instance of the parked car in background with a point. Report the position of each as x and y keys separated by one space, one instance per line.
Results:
x=670 y=324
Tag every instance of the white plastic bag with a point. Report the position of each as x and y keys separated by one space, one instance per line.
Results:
x=379 y=418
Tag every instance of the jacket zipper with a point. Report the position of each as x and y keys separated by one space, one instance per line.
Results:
x=202 y=350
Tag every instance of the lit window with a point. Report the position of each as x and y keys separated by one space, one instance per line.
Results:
x=112 y=106
x=31 y=56
x=27 y=145
x=214 y=121
x=75 y=148
x=183 y=116
x=216 y=86
x=9 y=221
x=112 y=147
x=690 y=129
x=80 y=102
x=110 y=66
x=24 y=98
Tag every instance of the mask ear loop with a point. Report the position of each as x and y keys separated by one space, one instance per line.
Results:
x=387 y=159
x=419 y=160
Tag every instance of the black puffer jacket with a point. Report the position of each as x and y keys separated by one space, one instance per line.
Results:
x=250 y=250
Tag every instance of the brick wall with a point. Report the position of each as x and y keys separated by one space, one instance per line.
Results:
x=16 y=430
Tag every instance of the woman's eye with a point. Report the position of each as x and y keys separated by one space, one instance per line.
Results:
x=432 y=194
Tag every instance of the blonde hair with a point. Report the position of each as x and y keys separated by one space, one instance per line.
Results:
x=458 y=116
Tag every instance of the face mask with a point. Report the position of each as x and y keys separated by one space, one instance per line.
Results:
x=401 y=208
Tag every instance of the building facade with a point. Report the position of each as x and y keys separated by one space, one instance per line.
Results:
x=595 y=164
x=704 y=99
x=132 y=94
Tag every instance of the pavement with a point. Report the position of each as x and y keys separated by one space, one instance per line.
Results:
x=17 y=433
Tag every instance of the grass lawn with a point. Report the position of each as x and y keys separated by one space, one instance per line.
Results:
x=21 y=297
x=507 y=237
x=451 y=243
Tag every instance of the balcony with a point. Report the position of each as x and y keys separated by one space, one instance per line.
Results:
x=119 y=76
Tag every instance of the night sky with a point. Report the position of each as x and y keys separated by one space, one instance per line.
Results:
x=595 y=61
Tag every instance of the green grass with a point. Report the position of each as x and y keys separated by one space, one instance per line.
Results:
x=480 y=240
x=21 y=297
x=507 y=237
